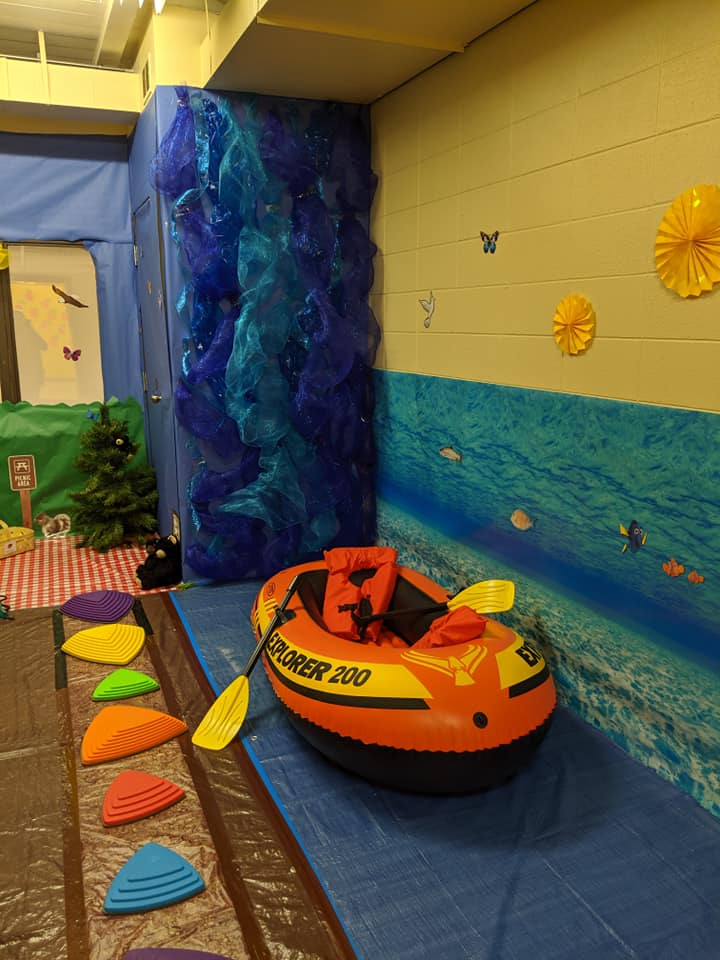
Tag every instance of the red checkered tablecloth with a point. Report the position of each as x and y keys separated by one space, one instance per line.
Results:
x=58 y=569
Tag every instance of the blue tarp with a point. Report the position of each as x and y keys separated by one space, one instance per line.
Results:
x=64 y=188
x=76 y=188
x=585 y=855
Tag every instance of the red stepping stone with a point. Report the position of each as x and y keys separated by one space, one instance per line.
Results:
x=133 y=795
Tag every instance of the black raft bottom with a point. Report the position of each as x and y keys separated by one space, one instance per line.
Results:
x=423 y=771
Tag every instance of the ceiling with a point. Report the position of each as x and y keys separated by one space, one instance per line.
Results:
x=352 y=50
x=105 y=33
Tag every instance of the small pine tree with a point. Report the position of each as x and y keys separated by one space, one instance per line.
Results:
x=118 y=504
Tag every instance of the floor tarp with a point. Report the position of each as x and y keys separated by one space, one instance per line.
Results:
x=585 y=854
x=57 y=860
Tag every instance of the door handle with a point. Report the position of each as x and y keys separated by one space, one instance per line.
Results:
x=155 y=397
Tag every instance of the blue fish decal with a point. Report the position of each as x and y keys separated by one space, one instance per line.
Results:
x=636 y=537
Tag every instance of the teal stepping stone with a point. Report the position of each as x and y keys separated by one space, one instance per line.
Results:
x=154 y=877
x=123 y=683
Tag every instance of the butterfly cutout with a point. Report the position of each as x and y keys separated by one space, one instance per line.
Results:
x=429 y=308
x=489 y=241
x=90 y=415
x=71 y=354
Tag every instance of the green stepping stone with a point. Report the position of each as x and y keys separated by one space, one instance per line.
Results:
x=124 y=683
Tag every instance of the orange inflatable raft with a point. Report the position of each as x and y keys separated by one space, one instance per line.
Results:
x=431 y=719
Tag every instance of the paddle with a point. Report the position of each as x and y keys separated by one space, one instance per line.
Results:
x=225 y=717
x=488 y=596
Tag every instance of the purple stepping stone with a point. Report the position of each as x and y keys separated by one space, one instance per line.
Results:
x=172 y=953
x=104 y=606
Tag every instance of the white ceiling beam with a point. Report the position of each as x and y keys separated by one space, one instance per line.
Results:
x=118 y=20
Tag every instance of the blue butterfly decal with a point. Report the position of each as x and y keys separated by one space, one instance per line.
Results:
x=92 y=416
x=489 y=241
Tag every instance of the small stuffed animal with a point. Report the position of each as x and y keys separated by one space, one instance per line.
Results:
x=163 y=567
x=53 y=527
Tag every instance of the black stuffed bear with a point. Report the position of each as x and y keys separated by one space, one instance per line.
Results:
x=163 y=567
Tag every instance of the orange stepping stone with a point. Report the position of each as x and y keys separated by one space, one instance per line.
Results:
x=133 y=795
x=113 y=643
x=119 y=731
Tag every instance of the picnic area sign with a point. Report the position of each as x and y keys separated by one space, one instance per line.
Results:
x=23 y=479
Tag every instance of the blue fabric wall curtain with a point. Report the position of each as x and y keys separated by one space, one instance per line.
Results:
x=77 y=189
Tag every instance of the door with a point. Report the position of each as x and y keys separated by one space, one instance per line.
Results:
x=157 y=379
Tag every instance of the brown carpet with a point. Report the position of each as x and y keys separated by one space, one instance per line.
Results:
x=57 y=860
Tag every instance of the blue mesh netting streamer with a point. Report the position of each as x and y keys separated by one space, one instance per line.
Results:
x=270 y=207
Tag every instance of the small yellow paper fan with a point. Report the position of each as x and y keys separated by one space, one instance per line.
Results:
x=574 y=324
x=687 y=246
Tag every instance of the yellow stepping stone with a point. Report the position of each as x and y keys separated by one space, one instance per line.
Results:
x=113 y=643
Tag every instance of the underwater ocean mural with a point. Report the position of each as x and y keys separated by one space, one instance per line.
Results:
x=606 y=516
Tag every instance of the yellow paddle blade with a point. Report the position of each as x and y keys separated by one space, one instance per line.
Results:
x=488 y=596
x=225 y=717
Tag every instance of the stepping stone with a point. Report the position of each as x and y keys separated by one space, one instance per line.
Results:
x=124 y=683
x=116 y=643
x=120 y=731
x=134 y=795
x=154 y=877
x=105 y=606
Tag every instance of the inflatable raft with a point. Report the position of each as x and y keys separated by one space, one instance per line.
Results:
x=449 y=718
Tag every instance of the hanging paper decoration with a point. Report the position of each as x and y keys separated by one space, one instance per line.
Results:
x=687 y=246
x=67 y=298
x=270 y=209
x=574 y=324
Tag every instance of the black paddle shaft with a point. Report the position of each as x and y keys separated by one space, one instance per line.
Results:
x=278 y=617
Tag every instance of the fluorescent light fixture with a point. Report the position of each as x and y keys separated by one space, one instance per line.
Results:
x=159 y=6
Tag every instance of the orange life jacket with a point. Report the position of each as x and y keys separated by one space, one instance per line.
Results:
x=363 y=595
x=458 y=626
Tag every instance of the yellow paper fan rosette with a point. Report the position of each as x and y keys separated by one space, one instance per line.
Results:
x=687 y=246
x=574 y=324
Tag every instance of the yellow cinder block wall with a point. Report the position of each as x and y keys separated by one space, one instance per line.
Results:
x=570 y=128
x=172 y=48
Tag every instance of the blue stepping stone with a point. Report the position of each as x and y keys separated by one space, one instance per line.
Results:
x=154 y=877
